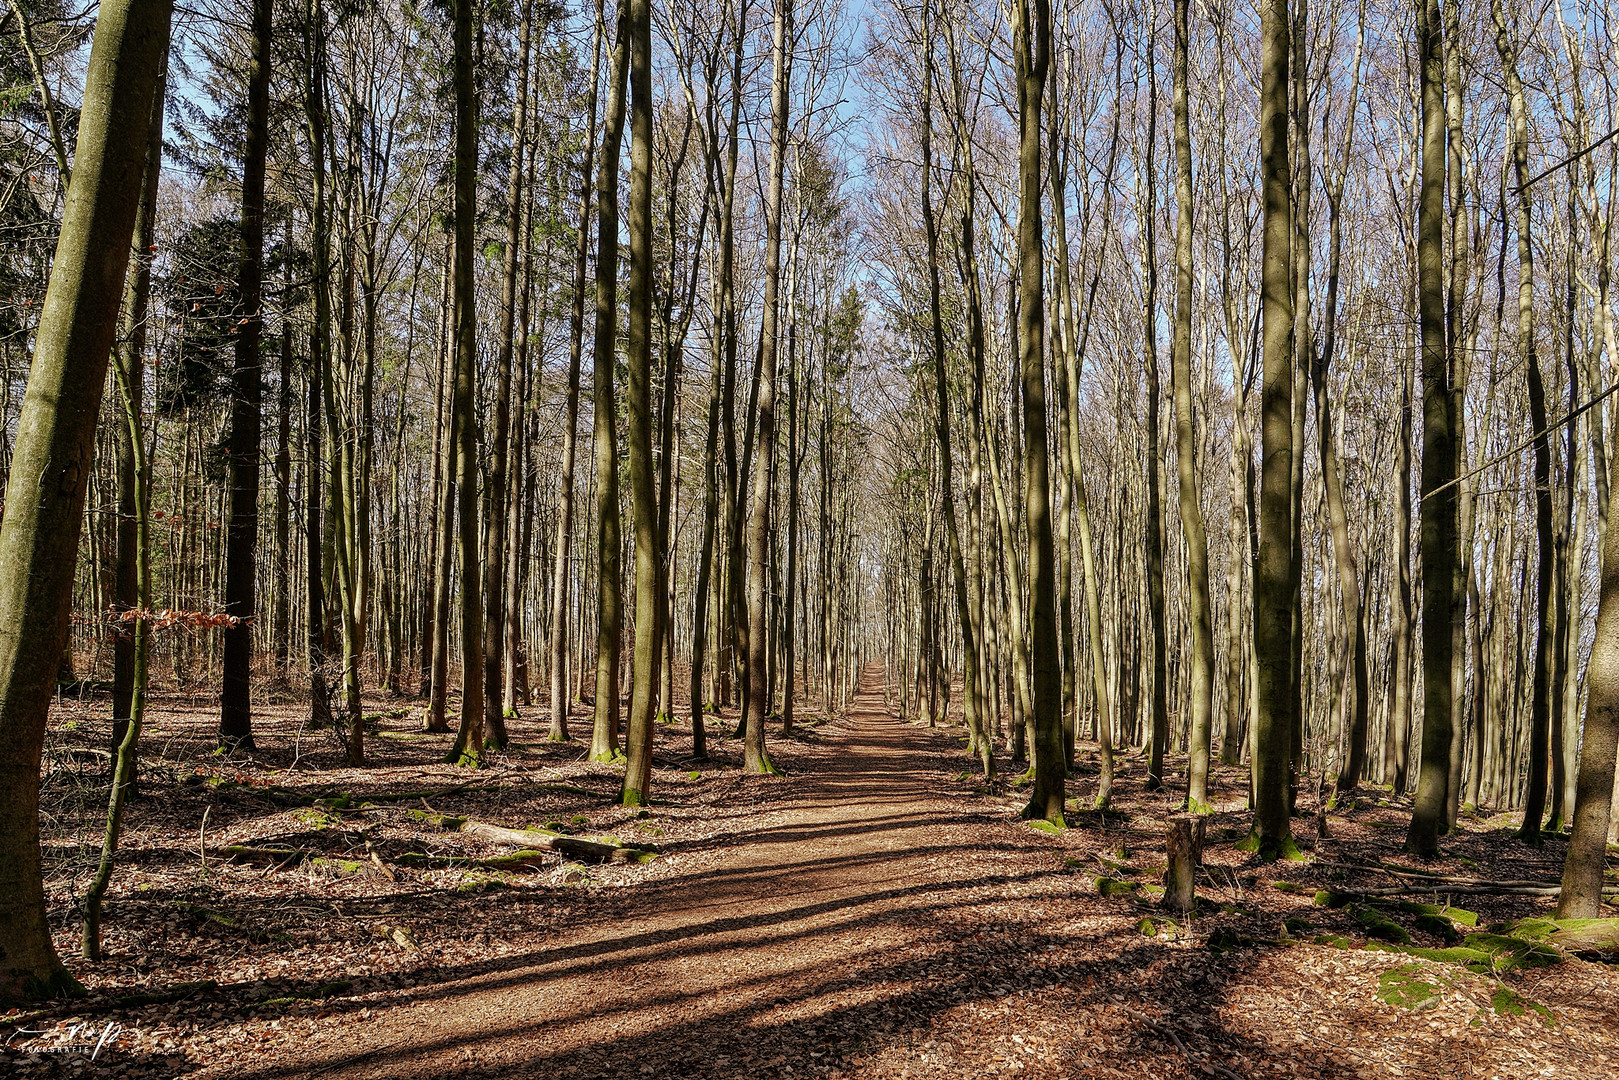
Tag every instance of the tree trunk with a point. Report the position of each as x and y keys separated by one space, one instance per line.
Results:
x=561 y=570
x=1201 y=698
x=494 y=495
x=1546 y=571
x=1349 y=590
x=430 y=618
x=637 y=789
x=1032 y=58
x=468 y=748
x=1593 y=799
x=1397 y=739
x=127 y=363
x=1273 y=719
x=941 y=427
x=281 y=623
x=131 y=360
x=39 y=536
x=247 y=393
x=609 y=542
x=1439 y=437
x=438 y=702
x=755 y=757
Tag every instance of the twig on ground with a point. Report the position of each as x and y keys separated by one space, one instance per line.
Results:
x=1165 y=1029
x=202 y=851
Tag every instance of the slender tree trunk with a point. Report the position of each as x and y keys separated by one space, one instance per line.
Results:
x=131 y=361
x=707 y=557
x=1439 y=438
x=1460 y=360
x=789 y=660
x=1273 y=620
x=281 y=622
x=755 y=758
x=438 y=702
x=731 y=628
x=1032 y=59
x=1398 y=738
x=127 y=362
x=637 y=789
x=1153 y=532
x=1201 y=698
x=441 y=425
x=468 y=749
x=518 y=512
x=127 y=750
x=1349 y=590
x=609 y=542
x=941 y=427
x=1569 y=541
x=247 y=393
x=561 y=570
x=1546 y=573
x=315 y=513
x=39 y=536
x=338 y=465
x=1302 y=168
x=494 y=495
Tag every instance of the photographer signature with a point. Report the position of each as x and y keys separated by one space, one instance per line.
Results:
x=77 y=1038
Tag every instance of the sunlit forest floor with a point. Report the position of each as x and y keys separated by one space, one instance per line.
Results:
x=876 y=912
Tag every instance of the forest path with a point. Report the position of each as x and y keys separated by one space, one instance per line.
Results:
x=785 y=957
x=880 y=915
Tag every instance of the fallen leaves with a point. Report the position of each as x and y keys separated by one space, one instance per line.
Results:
x=875 y=913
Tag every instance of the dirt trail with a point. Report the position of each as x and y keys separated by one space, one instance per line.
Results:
x=883 y=915
x=814 y=914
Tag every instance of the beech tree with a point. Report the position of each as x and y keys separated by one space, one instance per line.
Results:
x=50 y=459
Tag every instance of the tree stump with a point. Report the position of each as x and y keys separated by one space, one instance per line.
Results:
x=1183 y=844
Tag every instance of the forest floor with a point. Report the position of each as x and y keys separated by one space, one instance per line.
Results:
x=876 y=912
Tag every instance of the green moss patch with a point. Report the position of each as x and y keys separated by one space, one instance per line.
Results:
x=1225 y=939
x=1440 y=927
x=1378 y=925
x=1412 y=986
x=1508 y=1002
x=1270 y=849
x=1570 y=935
x=1107 y=886
x=1484 y=954
x=1509 y=953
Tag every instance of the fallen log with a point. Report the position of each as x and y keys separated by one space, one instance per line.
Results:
x=139 y=1000
x=539 y=840
x=1433 y=877
x=516 y=860
x=1579 y=936
x=288 y=858
x=1462 y=888
x=263 y=856
x=371 y=850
